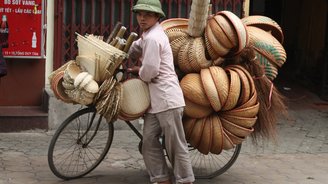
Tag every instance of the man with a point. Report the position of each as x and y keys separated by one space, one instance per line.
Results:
x=164 y=117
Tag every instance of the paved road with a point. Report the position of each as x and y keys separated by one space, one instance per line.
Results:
x=300 y=154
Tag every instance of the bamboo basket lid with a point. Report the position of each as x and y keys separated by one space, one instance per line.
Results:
x=193 y=90
x=135 y=98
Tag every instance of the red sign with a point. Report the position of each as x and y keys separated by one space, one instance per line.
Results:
x=25 y=27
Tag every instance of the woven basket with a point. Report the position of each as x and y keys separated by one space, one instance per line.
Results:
x=217 y=142
x=245 y=91
x=213 y=45
x=196 y=134
x=246 y=112
x=265 y=23
x=191 y=85
x=176 y=46
x=240 y=121
x=221 y=82
x=271 y=70
x=175 y=33
x=197 y=56
x=183 y=57
x=235 y=139
x=216 y=24
x=172 y=23
x=251 y=102
x=227 y=142
x=188 y=126
x=267 y=45
x=206 y=137
x=194 y=110
x=234 y=90
x=58 y=88
x=239 y=28
x=236 y=129
x=135 y=98
x=210 y=89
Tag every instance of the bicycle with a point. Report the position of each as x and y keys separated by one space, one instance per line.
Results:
x=82 y=141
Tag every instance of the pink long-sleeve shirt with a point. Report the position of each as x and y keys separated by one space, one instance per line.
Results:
x=157 y=69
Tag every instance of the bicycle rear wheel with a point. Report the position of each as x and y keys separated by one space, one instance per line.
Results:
x=80 y=143
x=212 y=165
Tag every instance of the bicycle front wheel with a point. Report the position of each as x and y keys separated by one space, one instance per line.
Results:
x=80 y=143
x=212 y=165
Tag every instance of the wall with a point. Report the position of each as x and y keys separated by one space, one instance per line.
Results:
x=23 y=86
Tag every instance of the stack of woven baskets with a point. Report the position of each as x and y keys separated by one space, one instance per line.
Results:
x=91 y=79
x=221 y=98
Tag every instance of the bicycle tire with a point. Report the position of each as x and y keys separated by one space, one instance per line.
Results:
x=82 y=156
x=208 y=166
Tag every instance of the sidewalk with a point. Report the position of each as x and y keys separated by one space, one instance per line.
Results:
x=299 y=156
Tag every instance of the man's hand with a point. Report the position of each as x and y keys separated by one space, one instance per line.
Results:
x=134 y=70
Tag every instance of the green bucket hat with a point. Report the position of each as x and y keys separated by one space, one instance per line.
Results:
x=149 y=5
